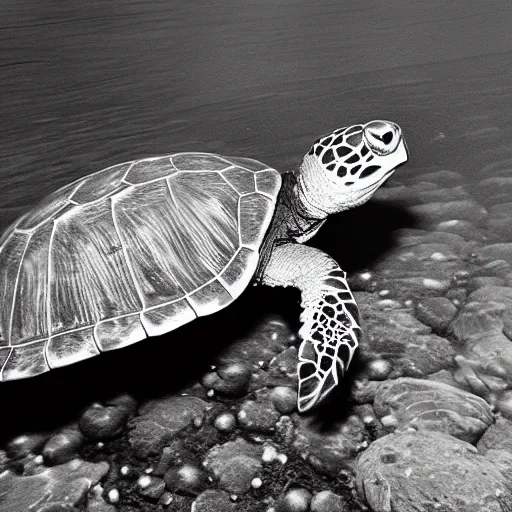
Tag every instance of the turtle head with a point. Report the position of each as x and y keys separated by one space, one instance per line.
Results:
x=344 y=169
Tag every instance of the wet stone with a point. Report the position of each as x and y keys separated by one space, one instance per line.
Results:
x=427 y=405
x=495 y=189
x=328 y=501
x=63 y=446
x=497 y=437
x=258 y=416
x=160 y=420
x=332 y=448
x=436 y=312
x=464 y=228
x=399 y=471
x=295 y=500
x=493 y=268
x=99 y=422
x=479 y=282
x=213 y=500
x=444 y=194
x=234 y=465
x=231 y=379
x=465 y=209
x=65 y=486
x=23 y=445
x=499 y=251
x=284 y=399
x=187 y=479
x=150 y=487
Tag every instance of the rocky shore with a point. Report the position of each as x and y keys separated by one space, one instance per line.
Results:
x=422 y=423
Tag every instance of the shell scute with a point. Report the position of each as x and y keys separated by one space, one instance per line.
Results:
x=210 y=298
x=268 y=182
x=90 y=277
x=256 y=210
x=198 y=162
x=150 y=169
x=119 y=332
x=50 y=206
x=25 y=361
x=71 y=347
x=238 y=274
x=167 y=317
x=102 y=184
x=247 y=163
x=240 y=179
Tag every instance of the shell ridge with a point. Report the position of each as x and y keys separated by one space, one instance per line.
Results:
x=15 y=290
x=48 y=296
x=136 y=284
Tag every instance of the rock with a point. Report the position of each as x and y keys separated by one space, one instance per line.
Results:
x=399 y=471
x=24 y=444
x=464 y=228
x=433 y=213
x=231 y=379
x=333 y=448
x=187 y=478
x=500 y=251
x=65 y=485
x=444 y=195
x=284 y=399
x=125 y=402
x=213 y=501
x=500 y=168
x=150 y=487
x=327 y=501
x=378 y=369
x=436 y=312
x=234 y=465
x=497 y=437
x=99 y=422
x=494 y=268
x=162 y=419
x=443 y=177
x=63 y=446
x=428 y=405
x=96 y=503
x=399 y=195
x=258 y=416
x=225 y=422
x=480 y=282
x=294 y=500
x=495 y=189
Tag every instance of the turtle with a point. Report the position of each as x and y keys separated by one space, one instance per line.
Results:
x=143 y=247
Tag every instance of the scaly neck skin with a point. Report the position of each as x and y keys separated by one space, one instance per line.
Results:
x=303 y=219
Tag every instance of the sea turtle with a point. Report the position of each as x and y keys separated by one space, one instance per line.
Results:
x=143 y=247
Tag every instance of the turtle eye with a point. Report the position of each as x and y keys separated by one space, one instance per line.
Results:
x=382 y=137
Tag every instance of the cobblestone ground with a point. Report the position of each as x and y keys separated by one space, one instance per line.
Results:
x=423 y=420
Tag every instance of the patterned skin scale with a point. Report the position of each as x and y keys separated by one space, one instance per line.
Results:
x=143 y=247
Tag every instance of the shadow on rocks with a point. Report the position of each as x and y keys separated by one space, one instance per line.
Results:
x=357 y=238
x=148 y=369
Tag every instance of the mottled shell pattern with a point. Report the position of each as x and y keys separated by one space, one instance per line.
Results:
x=132 y=251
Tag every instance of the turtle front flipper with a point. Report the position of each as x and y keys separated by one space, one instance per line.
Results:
x=331 y=331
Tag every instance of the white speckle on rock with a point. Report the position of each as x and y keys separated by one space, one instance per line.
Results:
x=256 y=483
x=261 y=363
x=292 y=337
x=100 y=445
x=113 y=496
x=433 y=284
x=438 y=256
x=365 y=276
x=234 y=497
x=38 y=459
x=408 y=472
x=283 y=458
x=210 y=392
x=383 y=293
x=408 y=303
x=124 y=470
x=389 y=420
x=269 y=454
x=274 y=336
x=148 y=471
x=144 y=481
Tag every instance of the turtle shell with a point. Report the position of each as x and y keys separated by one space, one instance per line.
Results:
x=135 y=250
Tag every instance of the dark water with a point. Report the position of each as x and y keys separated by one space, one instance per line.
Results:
x=84 y=85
